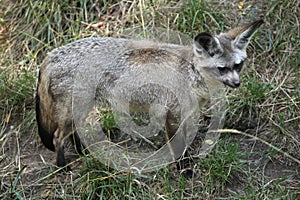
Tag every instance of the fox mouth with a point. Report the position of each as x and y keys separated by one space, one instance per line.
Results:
x=232 y=85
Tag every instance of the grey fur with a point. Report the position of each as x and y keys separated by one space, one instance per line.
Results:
x=111 y=58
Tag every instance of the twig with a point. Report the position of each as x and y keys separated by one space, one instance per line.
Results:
x=256 y=138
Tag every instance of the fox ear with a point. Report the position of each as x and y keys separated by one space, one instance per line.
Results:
x=241 y=35
x=207 y=42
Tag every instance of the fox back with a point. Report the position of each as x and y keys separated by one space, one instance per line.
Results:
x=209 y=63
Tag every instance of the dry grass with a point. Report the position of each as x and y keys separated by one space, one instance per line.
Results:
x=266 y=106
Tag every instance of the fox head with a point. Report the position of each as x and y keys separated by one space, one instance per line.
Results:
x=222 y=56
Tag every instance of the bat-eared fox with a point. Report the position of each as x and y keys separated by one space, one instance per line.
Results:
x=220 y=56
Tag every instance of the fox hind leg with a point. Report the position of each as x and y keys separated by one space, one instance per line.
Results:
x=58 y=142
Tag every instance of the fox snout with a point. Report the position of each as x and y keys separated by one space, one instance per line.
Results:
x=233 y=84
x=232 y=79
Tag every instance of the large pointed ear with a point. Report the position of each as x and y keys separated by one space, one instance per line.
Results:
x=241 y=35
x=205 y=42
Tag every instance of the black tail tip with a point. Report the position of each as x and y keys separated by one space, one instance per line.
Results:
x=46 y=137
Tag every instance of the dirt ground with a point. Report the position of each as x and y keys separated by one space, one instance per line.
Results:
x=39 y=173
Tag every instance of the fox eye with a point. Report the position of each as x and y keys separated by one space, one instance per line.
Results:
x=222 y=70
x=238 y=67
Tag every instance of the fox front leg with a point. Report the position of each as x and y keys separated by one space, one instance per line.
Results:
x=184 y=163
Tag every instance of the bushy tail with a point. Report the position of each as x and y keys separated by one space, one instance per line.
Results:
x=46 y=137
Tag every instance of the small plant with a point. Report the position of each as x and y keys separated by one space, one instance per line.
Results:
x=223 y=161
x=13 y=190
x=108 y=120
x=101 y=182
x=243 y=104
x=195 y=15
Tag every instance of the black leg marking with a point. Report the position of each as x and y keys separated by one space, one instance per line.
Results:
x=61 y=160
x=80 y=148
x=185 y=166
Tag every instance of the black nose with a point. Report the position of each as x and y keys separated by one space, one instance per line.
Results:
x=237 y=84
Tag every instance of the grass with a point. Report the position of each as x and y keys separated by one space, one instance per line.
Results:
x=267 y=105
